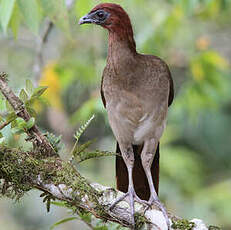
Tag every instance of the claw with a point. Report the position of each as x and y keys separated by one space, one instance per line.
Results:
x=155 y=201
x=132 y=196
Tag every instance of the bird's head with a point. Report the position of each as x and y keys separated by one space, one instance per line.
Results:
x=108 y=15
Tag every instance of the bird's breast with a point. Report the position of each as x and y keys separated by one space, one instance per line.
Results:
x=135 y=120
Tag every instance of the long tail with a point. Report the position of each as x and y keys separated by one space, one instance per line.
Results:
x=139 y=177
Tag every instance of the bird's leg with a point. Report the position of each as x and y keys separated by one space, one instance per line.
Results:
x=130 y=196
x=147 y=157
x=154 y=199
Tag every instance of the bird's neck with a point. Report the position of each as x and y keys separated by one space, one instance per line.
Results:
x=121 y=43
x=121 y=51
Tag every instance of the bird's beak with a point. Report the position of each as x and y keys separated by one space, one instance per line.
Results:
x=86 y=19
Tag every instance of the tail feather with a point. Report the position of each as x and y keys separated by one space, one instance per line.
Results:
x=139 y=177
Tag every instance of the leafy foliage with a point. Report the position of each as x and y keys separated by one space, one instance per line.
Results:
x=80 y=155
x=28 y=97
x=6 y=11
x=14 y=13
x=47 y=199
x=19 y=125
x=62 y=221
x=31 y=13
x=55 y=141
x=79 y=152
x=80 y=131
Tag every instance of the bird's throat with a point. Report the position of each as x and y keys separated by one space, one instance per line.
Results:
x=121 y=47
x=122 y=36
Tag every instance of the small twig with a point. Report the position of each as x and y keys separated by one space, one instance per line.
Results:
x=47 y=31
x=39 y=140
x=4 y=124
x=41 y=43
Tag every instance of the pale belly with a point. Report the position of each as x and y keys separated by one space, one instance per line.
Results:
x=131 y=125
x=148 y=129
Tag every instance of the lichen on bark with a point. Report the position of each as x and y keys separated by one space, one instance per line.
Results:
x=183 y=224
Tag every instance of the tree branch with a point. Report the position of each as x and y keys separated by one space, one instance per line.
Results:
x=4 y=124
x=22 y=171
x=38 y=139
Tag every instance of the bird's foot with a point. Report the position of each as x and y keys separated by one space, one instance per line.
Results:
x=129 y=197
x=155 y=201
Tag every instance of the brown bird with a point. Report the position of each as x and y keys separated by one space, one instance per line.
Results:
x=136 y=90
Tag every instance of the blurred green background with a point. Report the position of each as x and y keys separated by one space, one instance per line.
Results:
x=192 y=36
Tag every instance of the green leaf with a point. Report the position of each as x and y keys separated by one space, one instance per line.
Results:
x=1 y=136
x=23 y=95
x=80 y=131
x=39 y=91
x=55 y=141
x=57 y=12
x=31 y=111
x=29 y=87
x=86 y=217
x=6 y=10
x=20 y=120
x=21 y=123
x=101 y=228
x=15 y=20
x=30 y=102
x=31 y=14
x=80 y=148
x=62 y=221
x=83 y=156
x=13 y=124
x=30 y=123
x=48 y=206
x=10 y=117
x=59 y=204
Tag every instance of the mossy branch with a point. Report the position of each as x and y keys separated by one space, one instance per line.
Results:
x=23 y=171
x=42 y=168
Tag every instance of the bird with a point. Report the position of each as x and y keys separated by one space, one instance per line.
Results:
x=136 y=90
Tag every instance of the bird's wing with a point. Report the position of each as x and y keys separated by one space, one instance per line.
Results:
x=102 y=96
x=171 y=89
x=101 y=91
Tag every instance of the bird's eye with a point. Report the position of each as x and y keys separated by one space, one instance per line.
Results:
x=100 y=14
